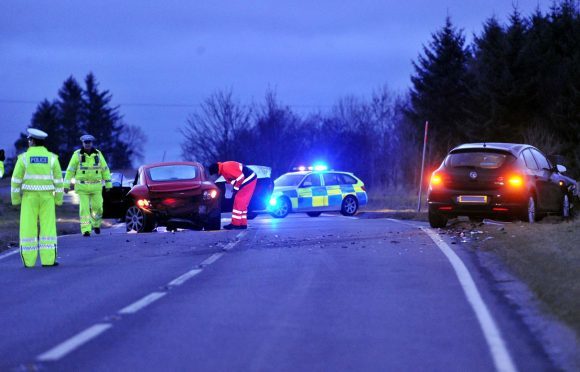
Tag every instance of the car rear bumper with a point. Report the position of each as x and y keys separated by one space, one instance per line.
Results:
x=497 y=204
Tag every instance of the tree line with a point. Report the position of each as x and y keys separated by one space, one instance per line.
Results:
x=81 y=110
x=516 y=82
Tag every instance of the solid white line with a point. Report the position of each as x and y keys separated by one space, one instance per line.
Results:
x=183 y=278
x=145 y=301
x=72 y=343
x=499 y=352
x=213 y=258
x=8 y=254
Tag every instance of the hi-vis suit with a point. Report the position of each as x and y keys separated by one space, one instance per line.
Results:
x=244 y=180
x=89 y=169
x=37 y=185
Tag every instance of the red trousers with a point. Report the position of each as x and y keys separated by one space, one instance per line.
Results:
x=241 y=202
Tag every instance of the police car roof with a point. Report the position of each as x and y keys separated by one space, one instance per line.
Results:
x=305 y=172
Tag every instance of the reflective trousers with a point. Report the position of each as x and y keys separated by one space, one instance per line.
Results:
x=241 y=202
x=91 y=209
x=38 y=209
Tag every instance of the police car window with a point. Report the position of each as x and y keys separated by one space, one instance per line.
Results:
x=529 y=159
x=330 y=179
x=345 y=179
x=483 y=159
x=311 y=180
x=541 y=159
x=173 y=173
x=289 y=180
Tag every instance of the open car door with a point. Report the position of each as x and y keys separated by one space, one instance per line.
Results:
x=115 y=200
x=260 y=198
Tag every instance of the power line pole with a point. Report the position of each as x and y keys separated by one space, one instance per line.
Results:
x=422 y=167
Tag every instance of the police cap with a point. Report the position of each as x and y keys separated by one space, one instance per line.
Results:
x=87 y=138
x=36 y=134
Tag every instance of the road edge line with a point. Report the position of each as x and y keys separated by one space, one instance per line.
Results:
x=499 y=353
x=8 y=254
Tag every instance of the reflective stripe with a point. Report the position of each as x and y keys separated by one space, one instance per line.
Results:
x=28 y=240
x=16 y=180
x=236 y=188
x=47 y=246
x=48 y=239
x=58 y=180
x=89 y=182
x=37 y=177
x=38 y=187
x=12 y=189
x=240 y=177
x=237 y=217
x=24 y=248
x=236 y=211
x=59 y=189
x=249 y=178
x=233 y=181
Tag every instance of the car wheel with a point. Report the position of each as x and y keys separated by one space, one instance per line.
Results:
x=566 y=207
x=282 y=209
x=437 y=220
x=349 y=206
x=530 y=214
x=137 y=220
x=314 y=214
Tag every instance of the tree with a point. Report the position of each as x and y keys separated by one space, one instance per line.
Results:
x=211 y=134
x=440 y=92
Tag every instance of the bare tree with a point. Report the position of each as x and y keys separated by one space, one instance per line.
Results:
x=136 y=138
x=212 y=133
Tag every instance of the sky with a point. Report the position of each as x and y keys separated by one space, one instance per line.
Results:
x=161 y=59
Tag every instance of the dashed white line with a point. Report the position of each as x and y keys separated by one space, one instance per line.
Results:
x=140 y=304
x=72 y=343
x=500 y=355
x=8 y=254
x=211 y=259
x=183 y=278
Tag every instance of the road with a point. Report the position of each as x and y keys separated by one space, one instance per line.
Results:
x=299 y=294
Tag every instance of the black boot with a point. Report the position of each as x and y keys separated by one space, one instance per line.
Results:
x=86 y=234
x=97 y=230
x=235 y=227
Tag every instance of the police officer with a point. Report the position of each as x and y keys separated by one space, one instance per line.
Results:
x=243 y=180
x=2 y=158
x=89 y=168
x=37 y=186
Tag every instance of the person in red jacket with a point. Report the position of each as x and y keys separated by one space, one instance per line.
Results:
x=244 y=180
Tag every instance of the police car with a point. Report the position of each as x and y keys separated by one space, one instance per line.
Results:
x=316 y=190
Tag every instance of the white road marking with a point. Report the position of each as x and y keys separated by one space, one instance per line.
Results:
x=501 y=357
x=8 y=254
x=213 y=258
x=73 y=343
x=185 y=277
x=140 y=304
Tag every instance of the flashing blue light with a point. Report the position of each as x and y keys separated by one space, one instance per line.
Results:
x=273 y=202
x=320 y=167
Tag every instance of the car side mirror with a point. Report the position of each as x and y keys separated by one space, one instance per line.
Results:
x=561 y=168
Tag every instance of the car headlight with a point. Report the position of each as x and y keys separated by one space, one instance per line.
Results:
x=210 y=194
x=144 y=203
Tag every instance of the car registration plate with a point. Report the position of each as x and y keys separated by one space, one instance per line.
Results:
x=472 y=199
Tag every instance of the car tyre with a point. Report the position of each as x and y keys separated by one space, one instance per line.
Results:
x=349 y=206
x=139 y=221
x=282 y=209
x=566 y=207
x=437 y=220
x=314 y=214
x=214 y=221
x=530 y=214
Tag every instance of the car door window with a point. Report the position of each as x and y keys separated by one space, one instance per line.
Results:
x=541 y=160
x=529 y=159
x=311 y=180
x=331 y=179
x=347 y=180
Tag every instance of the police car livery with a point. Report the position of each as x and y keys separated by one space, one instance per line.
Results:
x=315 y=192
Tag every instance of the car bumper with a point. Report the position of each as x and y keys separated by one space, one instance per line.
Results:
x=497 y=204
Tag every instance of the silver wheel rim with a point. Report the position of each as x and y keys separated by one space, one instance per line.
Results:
x=531 y=210
x=566 y=207
x=350 y=205
x=283 y=210
x=134 y=219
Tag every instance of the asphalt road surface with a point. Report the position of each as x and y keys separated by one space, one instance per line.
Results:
x=299 y=294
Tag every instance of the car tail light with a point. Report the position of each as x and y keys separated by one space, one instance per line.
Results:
x=449 y=208
x=498 y=209
x=515 y=181
x=436 y=180
x=143 y=203
x=363 y=188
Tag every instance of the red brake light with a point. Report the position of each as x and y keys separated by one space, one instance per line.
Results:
x=515 y=181
x=436 y=179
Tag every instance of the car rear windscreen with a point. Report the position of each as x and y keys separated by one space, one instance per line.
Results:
x=173 y=173
x=484 y=160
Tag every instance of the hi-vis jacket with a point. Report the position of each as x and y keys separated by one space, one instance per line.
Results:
x=88 y=168
x=37 y=170
x=236 y=173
